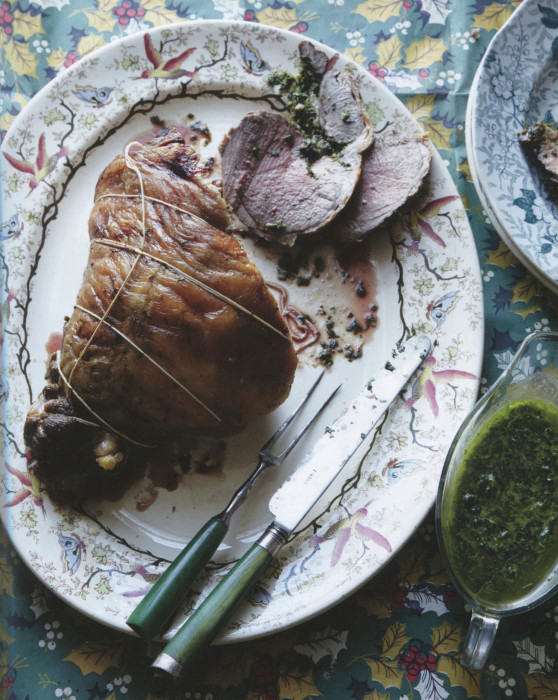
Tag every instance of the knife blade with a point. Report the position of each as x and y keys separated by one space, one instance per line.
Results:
x=292 y=502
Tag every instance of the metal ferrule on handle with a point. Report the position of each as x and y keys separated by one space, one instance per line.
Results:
x=204 y=623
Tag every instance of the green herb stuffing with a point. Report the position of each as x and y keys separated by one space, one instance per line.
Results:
x=276 y=227
x=301 y=92
x=502 y=531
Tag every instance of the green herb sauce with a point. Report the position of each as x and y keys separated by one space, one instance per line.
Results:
x=300 y=92
x=502 y=529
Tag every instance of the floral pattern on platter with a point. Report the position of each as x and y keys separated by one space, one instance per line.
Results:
x=516 y=85
x=433 y=286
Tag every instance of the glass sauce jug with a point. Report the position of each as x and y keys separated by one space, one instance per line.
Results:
x=497 y=503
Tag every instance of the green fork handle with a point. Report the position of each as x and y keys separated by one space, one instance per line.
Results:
x=204 y=623
x=158 y=606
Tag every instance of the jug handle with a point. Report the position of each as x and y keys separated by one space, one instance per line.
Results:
x=479 y=639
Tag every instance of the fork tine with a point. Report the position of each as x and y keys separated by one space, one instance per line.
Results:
x=273 y=439
x=277 y=459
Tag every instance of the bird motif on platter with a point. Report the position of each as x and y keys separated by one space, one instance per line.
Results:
x=98 y=97
x=419 y=219
x=11 y=228
x=345 y=528
x=148 y=576
x=252 y=60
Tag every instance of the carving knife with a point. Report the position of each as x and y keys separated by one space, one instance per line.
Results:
x=291 y=503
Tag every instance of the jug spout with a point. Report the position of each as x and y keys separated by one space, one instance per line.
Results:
x=479 y=639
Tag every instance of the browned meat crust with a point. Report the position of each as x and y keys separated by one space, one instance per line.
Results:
x=66 y=451
x=223 y=366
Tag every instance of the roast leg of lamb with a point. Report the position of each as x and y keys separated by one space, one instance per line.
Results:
x=174 y=329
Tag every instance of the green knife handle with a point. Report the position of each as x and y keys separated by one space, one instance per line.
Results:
x=204 y=623
x=157 y=607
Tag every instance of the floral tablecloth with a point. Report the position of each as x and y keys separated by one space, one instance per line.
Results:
x=400 y=635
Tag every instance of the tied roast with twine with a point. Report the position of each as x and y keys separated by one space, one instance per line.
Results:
x=102 y=319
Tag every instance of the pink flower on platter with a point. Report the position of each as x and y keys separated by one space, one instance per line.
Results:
x=419 y=219
x=30 y=489
x=160 y=68
x=40 y=167
x=352 y=525
x=425 y=383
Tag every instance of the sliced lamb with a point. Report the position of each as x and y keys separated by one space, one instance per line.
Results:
x=340 y=109
x=272 y=189
x=287 y=178
x=393 y=170
x=317 y=58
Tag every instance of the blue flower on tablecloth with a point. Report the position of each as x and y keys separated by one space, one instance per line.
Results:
x=502 y=340
x=502 y=299
x=503 y=86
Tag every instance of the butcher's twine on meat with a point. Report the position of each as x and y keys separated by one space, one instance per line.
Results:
x=147 y=357
x=190 y=278
x=88 y=407
x=140 y=253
